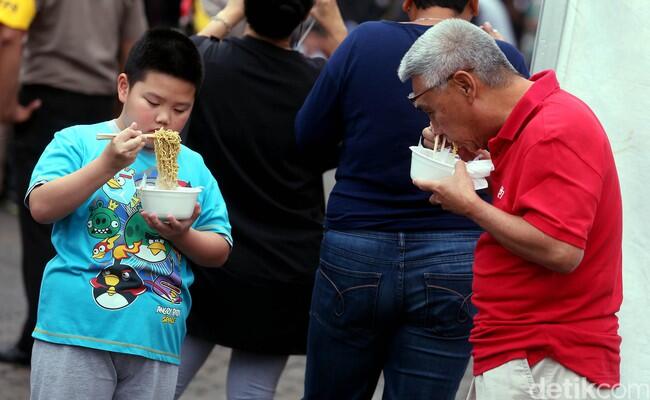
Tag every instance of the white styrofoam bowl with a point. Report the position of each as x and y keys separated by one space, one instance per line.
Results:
x=177 y=202
x=423 y=166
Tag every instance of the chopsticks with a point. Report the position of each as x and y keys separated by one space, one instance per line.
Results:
x=110 y=136
x=443 y=144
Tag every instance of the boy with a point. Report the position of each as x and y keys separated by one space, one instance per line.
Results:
x=115 y=298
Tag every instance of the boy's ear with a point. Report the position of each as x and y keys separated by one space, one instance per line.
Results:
x=122 y=87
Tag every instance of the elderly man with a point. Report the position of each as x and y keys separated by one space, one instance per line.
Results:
x=547 y=271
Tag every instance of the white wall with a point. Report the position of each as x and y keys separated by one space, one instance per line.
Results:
x=601 y=52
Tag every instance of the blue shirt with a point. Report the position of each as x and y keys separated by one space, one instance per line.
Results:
x=359 y=102
x=115 y=284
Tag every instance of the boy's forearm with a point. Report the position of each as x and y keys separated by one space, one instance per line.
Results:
x=208 y=249
x=58 y=198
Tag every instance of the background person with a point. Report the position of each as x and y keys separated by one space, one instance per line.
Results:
x=243 y=124
x=392 y=292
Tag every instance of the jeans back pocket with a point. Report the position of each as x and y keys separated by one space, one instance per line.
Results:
x=449 y=309
x=345 y=299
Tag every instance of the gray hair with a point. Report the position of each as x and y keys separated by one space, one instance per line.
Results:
x=453 y=45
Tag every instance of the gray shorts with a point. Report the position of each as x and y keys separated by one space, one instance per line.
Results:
x=71 y=373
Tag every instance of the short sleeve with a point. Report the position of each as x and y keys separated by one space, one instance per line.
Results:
x=134 y=23
x=63 y=156
x=17 y=14
x=214 y=214
x=559 y=191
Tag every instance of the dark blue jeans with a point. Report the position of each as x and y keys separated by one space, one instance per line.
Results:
x=392 y=302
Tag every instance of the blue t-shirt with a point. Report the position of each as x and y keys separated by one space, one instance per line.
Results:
x=359 y=102
x=115 y=284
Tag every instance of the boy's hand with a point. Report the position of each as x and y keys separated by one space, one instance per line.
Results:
x=172 y=229
x=123 y=149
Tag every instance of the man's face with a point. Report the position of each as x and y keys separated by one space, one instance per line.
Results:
x=449 y=111
x=158 y=101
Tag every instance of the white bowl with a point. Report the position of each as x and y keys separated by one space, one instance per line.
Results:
x=177 y=202
x=423 y=166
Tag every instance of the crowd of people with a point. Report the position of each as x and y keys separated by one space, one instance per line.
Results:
x=407 y=278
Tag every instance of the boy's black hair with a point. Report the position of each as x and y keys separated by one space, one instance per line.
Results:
x=166 y=51
x=457 y=5
x=276 y=19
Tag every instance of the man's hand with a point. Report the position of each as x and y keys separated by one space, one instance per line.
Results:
x=123 y=149
x=455 y=193
x=11 y=50
x=19 y=113
x=172 y=229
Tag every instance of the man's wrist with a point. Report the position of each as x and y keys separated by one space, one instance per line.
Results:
x=224 y=21
x=475 y=208
x=229 y=17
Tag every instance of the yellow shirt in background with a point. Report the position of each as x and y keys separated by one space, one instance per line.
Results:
x=17 y=14
x=201 y=18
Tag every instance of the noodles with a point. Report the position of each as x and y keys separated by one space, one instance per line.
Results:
x=167 y=144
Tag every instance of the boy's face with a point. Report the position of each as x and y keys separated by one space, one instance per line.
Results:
x=160 y=100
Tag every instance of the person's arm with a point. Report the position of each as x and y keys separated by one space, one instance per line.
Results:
x=205 y=237
x=134 y=25
x=328 y=15
x=319 y=122
x=456 y=194
x=208 y=249
x=205 y=248
x=11 y=49
x=125 y=47
x=221 y=24
x=58 y=198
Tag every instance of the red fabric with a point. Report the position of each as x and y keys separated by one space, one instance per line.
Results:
x=186 y=7
x=554 y=167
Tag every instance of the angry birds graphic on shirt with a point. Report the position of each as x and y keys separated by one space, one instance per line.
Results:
x=117 y=286
x=121 y=187
x=103 y=222
x=103 y=248
x=132 y=259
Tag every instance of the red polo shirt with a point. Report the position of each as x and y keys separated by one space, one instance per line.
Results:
x=554 y=167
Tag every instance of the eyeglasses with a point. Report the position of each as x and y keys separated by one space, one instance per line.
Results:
x=412 y=96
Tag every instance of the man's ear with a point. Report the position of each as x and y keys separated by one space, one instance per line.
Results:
x=406 y=6
x=465 y=83
x=122 y=87
x=473 y=7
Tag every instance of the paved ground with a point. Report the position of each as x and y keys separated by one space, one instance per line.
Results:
x=14 y=381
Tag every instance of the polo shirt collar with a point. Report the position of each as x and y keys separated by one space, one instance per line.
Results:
x=545 y=83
